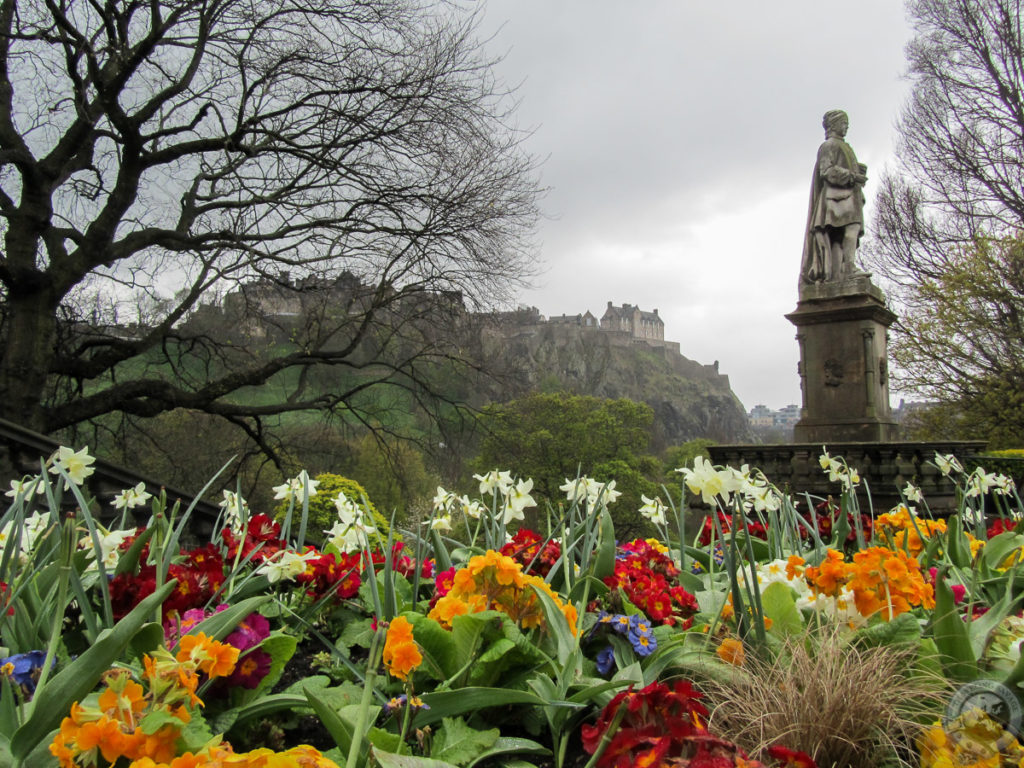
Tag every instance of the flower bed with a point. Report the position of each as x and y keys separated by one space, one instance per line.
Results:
x=772 y=634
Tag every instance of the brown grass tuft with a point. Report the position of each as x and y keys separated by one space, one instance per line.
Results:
x=841 y=704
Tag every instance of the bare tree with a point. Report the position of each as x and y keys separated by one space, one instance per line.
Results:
x=154 y=153
x=953 y=205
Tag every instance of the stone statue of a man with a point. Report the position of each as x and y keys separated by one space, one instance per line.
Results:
x=835 y=219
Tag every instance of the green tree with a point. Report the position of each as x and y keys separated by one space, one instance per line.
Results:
x=962 y=344
x=155 y=156
x=949 y=214
x=552 y=437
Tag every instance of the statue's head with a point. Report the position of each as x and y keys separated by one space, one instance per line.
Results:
x=836 y=122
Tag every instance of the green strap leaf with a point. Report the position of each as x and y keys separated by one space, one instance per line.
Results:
x=75 y=681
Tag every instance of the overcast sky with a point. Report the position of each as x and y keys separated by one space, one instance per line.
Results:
x=678 y=139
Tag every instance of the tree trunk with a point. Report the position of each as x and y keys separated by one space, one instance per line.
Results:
x=26 y=357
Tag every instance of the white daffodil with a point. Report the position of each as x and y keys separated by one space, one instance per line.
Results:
x=110 y=547
x=286 y=565
x=495 y=480
x=26 y=486
x=443 y=500
x=1003 y=485
x=708 y=481
x=947 y=464
x=607 y=493
x=574 y=490
x=235 y=507
x=75 y=463
x=979 y=482
x=441 y=523
x=971 y=517
x=825 y=460
x=913 y=493
x=295 y=487
x=518 y=499
x=471 y=509
x=653 y=510
x=130 y=498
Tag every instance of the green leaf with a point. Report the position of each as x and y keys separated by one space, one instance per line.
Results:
x=358 y=632
x=384 y=740
x=956 y=544
x=981 y=627
x=53 y=702
x=437 y=645
x=779 y=605
x=512 y=746
x=950 y=635
x=196 y=733
x=902 y=630
x=557 y=625
x=339 y=723
x=604 y=560
x=281 y=648
x=390 y=760
x=147 y=639
x=129 y=559
x=466 y=700
x=998 y=548
x=219 y=625
x=459 y=744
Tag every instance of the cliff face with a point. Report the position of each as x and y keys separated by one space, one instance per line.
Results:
x=689 y=400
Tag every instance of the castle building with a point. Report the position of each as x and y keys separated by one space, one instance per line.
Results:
x=630 y=318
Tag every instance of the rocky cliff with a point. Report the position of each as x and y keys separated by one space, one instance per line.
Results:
x=689 y=400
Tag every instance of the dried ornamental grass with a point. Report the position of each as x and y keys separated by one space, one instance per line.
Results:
x=844 y=705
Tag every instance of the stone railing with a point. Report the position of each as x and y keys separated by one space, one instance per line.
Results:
x=885 y=469
x=21 y=450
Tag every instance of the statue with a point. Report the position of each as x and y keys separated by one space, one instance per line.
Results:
x=835 y=218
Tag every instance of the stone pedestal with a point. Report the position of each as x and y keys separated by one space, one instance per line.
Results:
x=842 y=331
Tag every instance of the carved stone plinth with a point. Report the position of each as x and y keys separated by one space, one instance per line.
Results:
x=842 y=331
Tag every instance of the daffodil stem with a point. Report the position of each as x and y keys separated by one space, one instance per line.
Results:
x=67 y=554
x=364 y=703
x=606 y=738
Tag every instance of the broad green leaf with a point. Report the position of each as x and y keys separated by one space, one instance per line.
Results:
x=457 y=743
x=382 y=740
x=147 y=639
x=390 y=760
x=779 y=605
x=466 y=700
x=53 y=702
x=281 y=648
x=903 y=630
x=491 y=662
x=219 y=625
x=604 y=560
x=557 y=625
x=437 y=645
x=957 y=548
x=950 y=635
x=358 y=632
x=999 y=547
x=981 y=627
x=512 y=746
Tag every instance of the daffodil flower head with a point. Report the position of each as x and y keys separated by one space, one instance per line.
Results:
x=130 y=498
x=653 y=510
x=26 y=486
x=494 y=481
x=948 y=464
x=296 y=487
x=76 y=464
